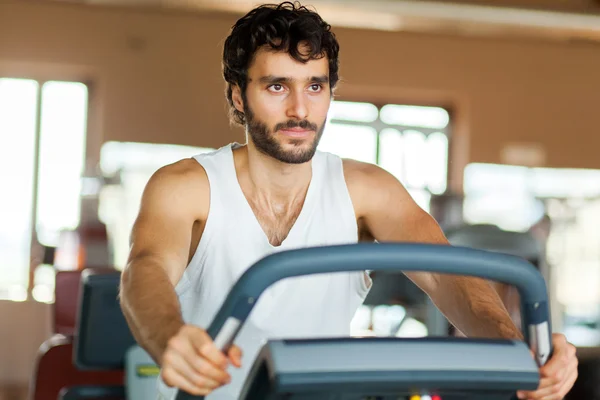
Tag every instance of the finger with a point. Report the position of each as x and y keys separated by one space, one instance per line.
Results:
x=549 y=389
x=521 y=394
x=557 y=371
x=173 y=379
x=184 y=368
x=201 y=367
x=542 y=388
x=554 y=367
x=235 y=355
x=547 y=393
x=552 y=375
x=206 y=348
x=552 y=396
x=560 y=356
x=550 y=381
x=207 y=369
x=568 y=384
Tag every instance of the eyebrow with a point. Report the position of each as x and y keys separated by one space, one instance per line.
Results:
x=272 y=79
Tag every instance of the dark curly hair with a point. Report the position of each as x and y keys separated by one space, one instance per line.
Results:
x=282 y=27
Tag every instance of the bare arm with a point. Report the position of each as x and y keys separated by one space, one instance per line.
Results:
x=160 y=247
x=389 y=213
x=173 y=211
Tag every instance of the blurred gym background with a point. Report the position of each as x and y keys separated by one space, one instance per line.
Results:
x=485 y=109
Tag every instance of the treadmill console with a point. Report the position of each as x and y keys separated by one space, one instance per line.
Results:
x=391 y=369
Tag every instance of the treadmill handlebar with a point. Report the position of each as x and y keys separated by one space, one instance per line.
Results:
x=388 y=257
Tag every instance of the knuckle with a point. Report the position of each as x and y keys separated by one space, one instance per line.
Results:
x=555 y=375
x=203 y=368
x=167 y=358
x=194 y=331
x=168 y=377
x=556 y=388
x=201 y=333
x=204 y=383
x=174 y=342
x=205 y=348
x=200 y=381
x=200 y=391
x=572 y=350
x=556 y=379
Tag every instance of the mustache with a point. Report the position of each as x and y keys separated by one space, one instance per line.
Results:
x=304 y=124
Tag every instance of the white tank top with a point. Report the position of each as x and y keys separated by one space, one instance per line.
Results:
x=321 y=305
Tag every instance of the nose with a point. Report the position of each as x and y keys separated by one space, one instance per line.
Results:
x=297 y=107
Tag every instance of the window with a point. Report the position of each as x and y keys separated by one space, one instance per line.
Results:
x=42 y=154
x=411 y=142
x=511 y=196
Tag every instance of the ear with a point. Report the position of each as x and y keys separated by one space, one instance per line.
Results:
x=236 y=97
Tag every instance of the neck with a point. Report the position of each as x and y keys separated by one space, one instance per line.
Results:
x=272 y=181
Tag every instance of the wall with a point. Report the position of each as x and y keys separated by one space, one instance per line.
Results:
x=25 y=325
x=156 y=78
x=584 y=6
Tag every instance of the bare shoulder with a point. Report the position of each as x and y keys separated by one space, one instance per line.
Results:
x=174 y=200
x=358 y=175
x=186 y=168
x=181 y=186
x=370 y=185
x=362 y=173
x=386 y=208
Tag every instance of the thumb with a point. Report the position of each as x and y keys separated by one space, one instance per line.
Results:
x=235 y=355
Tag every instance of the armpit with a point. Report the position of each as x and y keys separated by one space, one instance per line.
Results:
x=368 y=280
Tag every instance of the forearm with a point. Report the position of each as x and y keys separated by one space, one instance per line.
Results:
x=150 y=305
x=473 y=307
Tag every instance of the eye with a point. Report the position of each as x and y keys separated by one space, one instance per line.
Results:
x=315 y=87
x=276 y=87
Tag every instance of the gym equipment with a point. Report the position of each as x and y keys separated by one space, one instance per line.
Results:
x=390 y=368
x=54 y=375
x=53 y=369
x=392 y=288
x=103 y=334
x=141 y=374
x=66 y=299
x=492 y=238
x=105 y=342
x=93 y=393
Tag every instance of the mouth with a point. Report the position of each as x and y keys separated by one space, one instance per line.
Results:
x=296 y=132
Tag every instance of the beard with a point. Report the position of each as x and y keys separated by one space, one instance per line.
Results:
x=266 y=142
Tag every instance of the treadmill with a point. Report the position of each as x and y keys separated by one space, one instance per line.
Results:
x=427 y=368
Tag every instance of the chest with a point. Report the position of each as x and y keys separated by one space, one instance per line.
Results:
x=278 y=222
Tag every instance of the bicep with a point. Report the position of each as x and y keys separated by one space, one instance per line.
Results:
x=162 y=230
x=391 y=215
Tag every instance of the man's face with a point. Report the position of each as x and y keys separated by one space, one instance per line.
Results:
x=286 y=104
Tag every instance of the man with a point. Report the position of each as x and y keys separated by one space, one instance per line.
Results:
x=204 y=221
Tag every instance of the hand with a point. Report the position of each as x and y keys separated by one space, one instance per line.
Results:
x=193 y=363
x=558 y=375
